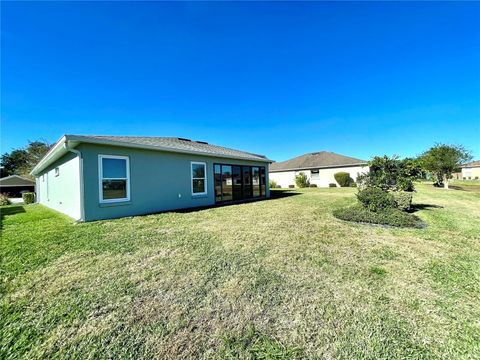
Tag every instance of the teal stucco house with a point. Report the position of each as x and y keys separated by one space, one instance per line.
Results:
x=103 y=177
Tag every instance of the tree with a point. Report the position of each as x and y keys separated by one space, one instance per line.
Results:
x=390 y=173
x=443 y=160
x=22 y=161
x=15 y=162
x=36 y=151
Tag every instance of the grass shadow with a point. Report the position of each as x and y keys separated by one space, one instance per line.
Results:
x=418 y=207
x=466 y=187
x=10 y=210
x=277 y=194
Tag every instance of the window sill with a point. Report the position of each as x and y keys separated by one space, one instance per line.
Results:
x=118 y=203
x=199 y=196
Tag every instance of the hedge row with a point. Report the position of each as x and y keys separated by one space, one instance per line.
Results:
x=392 y=217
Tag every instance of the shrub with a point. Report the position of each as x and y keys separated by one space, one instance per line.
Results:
x=28 y=197
x=343 y=179
x=301 y=180
x=4 y=200
x=313 y=185
x=332 y=185
x=278 y=187
x=291 y=186
x=391 y=216
x=375 y=199
x=403 y=200
x=391 y=173
x=272 y=184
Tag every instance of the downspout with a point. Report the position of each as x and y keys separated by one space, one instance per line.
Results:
x=80 y=170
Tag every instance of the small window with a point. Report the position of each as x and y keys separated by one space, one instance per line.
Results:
x=57 y=171
x=43 y=178
x=114 y=178
x=315 y=174
x=199 y=178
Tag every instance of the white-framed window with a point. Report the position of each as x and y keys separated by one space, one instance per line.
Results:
x=199 y=178
x=113 y=178
x=314 y=174
x=57 y=171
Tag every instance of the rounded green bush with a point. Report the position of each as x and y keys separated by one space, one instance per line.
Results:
x=28 y=197
x=403 y=200
x=343 y=179
x=375 y=199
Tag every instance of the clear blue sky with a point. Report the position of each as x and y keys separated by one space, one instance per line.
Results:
x=280 y=79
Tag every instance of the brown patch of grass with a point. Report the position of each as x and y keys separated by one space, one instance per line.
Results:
x=280 y=278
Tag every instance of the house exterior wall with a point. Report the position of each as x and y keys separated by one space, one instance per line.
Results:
x=159 y=181
x=325 y=175
x=471 y=173
x=283 y=178
x=62 y=192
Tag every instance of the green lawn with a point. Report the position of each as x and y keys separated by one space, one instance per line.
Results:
x=273 y=279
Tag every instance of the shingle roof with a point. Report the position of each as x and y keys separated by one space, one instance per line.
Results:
x=475 y=163
x=169 y=144
x=15 y=180
x=322 y=159
x=175 y=144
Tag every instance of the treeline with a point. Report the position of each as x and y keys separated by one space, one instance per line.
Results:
x=21 y=161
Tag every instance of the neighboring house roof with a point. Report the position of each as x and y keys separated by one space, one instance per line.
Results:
x=15 y=180
x=475 y=163
x=316 y=160
x=169 y=144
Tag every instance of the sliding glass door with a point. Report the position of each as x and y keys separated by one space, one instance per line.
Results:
x=236 y=182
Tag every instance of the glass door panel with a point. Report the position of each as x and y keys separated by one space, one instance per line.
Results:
x=256 y=181
x=247 y=182
x=237 y=182
x=263 y=181
x=218 y=183
x=227 y=184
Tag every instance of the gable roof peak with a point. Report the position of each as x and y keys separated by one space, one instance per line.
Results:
x=319 y=159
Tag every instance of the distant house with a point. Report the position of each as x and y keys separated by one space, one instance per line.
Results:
x=102 y=177
x=320 y=168
x=471 y=170
x=15 y=185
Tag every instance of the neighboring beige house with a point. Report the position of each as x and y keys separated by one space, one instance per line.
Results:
x=320 y=168
x=471 y=170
